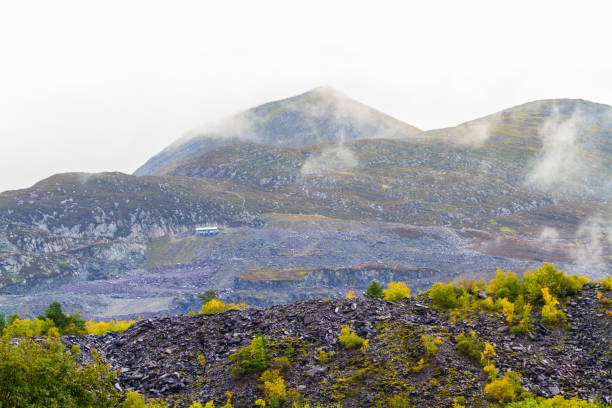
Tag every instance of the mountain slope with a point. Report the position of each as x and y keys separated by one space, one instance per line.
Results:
x=565 y=144
x=547 y=156
x=320 y=115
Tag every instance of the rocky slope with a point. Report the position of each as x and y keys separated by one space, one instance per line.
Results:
x=92 y=226
x=186 y=358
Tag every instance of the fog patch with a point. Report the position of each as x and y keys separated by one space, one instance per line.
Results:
x=549 y=234
x=335 y=159
x=349 y=114
x=592 y=243
x=560 y=161
x=477 y=132
x=240 y=126
x=84 y=178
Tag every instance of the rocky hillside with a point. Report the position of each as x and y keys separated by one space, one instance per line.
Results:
x=93 y=226
x=187 y=358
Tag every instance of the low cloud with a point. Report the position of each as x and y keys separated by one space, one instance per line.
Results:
x=317 y=106
x=477 y=132
x=549 y=234
x=474 y=133
x=592 y=245
x=239 y=126
x=560 y=161
x=334 y=159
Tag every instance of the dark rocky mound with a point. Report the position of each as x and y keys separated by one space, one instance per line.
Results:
x=163 y=357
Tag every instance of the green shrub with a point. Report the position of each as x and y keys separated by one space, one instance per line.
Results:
x=524 y=325
x=469 y=346
x=350 y=340
x=472 y=286
x=11 y=318
x=27 y=328
x=374 y=291
x=251 y=359
x=505 y=285
x=44 y=374
x=556 y=402
x=606 y=284
x=324 y=357
x=135 y=400
x=491 y=305
x=430 y=346
x=2 y=322
x=547 y=276
x=447 y=295
x=398 y=401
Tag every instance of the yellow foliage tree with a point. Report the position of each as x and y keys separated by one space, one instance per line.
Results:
x=396 y=291
x=505 y=389
x=135 y=400
x=551 y=316
x=218 y=306
x=111 y=326
x=352 y=341
x=508 y=309
x=29 y=328
x=273 y=387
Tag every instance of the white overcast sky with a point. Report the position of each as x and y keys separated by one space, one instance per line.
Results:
x=104 y=85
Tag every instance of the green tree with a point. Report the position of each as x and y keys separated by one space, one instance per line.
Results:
x=375 y=291
x=251 y=359
x=12 y=318
x=43 y=374
x=447 y=295
x=67 y=324
x=208 y=296
x=2 y=323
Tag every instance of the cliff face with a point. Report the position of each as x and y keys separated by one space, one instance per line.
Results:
x=357 y=277
x=186 y=358
x=87 y=226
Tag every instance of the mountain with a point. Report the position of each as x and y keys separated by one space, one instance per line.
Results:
x=320 y=115
x=543 y=163
x=305 y=216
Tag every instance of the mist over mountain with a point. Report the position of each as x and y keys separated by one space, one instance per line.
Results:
x=317 y=116
x=316 y=194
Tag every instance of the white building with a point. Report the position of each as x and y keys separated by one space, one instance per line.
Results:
x=207 y=230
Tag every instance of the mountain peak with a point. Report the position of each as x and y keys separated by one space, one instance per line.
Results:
x=319 y=115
